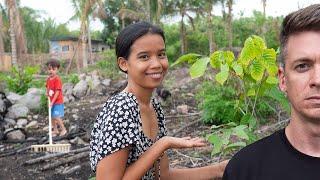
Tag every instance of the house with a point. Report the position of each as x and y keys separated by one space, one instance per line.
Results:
x=66 y=47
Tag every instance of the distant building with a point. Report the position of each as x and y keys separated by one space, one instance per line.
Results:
x=65 y=47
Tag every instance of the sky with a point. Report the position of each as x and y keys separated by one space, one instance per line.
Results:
x=61 y=10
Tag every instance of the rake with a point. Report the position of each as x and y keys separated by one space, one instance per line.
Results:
x=50 y=147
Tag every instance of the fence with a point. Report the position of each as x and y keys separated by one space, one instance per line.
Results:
x=39 y=59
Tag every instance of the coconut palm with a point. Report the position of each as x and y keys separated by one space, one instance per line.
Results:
x=83 y=10
x=183 y=8
x=17 y=37
x=229 y=23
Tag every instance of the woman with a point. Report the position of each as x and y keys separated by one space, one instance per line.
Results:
x=129 y=139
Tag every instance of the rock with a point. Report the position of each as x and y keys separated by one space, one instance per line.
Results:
x=80 y=89
x=73 y=129
x=78 y=140
x=22 y=122
x=17 y=111
x=182 y=109
x=46 y=128
x=32 y=125
x=106 y=82
x=35 y=116
x=10 y=121
x=3 y=108
x=67 y=92
x=13 y=97
x=75 y=117
x=100 y=89
x=32 y=98
x=74 y=110
x=15 y=135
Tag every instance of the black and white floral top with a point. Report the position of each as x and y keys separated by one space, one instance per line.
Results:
x=119 y=125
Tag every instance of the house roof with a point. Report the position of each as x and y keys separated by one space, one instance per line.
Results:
x=72 y=38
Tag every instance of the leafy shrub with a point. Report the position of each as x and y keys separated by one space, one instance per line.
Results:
x=217 y=104
x=253 y=78
x=73 y=78
x=20 y=80
x=107 y=67
x=43 y=104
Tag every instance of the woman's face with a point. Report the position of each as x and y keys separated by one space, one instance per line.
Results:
x=147 y=63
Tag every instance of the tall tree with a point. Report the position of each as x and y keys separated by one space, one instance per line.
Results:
x=208 y=8
x=17 y=36
x=264 y=4
x=229 y=23
x=183 y=8
x=83 y=9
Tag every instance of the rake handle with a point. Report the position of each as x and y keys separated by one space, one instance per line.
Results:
x=50 y=121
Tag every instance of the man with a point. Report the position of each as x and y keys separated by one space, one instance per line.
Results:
x=292 y=153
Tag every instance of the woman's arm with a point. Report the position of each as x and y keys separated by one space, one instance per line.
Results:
x=113 y=166
x=207 y=172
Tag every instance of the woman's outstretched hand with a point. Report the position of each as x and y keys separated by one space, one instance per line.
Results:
x=185 y=142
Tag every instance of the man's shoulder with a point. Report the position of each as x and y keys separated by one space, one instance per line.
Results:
x=258 y=149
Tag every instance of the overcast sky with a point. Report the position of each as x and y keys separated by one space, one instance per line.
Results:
x=61 y=10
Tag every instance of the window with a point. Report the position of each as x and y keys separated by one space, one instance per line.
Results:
x=65 y=48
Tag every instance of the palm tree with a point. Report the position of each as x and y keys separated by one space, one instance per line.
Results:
x=17 y=37
x=183 y=8
x=83 y=10
x=208 y=7
x=229 y=23
x=264 y=4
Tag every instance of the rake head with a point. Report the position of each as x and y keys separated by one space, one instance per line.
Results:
x=51 y=148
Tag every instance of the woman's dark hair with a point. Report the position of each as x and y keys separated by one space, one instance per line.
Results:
x=131 y=33
x=54 y=63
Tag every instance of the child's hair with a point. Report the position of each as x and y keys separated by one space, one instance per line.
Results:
x=54 y=63
x=131 y=33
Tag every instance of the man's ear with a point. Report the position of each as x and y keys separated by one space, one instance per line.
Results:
x=123 y=64
x=282 y=79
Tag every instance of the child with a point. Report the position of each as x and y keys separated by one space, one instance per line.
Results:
x=54 y=91
x=129 y=138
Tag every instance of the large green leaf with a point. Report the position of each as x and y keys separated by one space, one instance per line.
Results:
x=223 y=75
x=199 y=67
x=237 y=68
x=221 y=57
x=259 y=42
x=190 y=58
x=228 y=57
x=269 y=61
x=216 y=59
x=217 y=143
x=239 y=131
x=272 y=80
x=235 y=145
x=257 y=70
x=253 y=47
x=251 y=92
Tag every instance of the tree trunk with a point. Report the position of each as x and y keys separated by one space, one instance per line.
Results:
x=14 y=59
x=182 y=35
x=1 y=41
x=149 y=16
x=89 y=46
x=212 y=44
x=83 y=38
x=229 y=23
x=264 y=28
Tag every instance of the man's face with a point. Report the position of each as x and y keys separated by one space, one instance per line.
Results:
x=300 y=78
